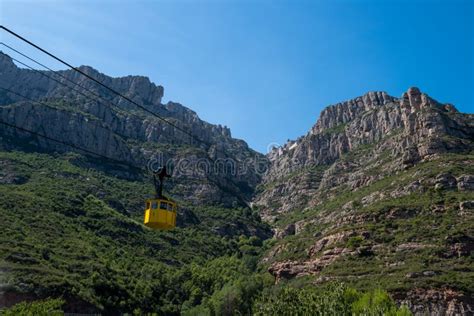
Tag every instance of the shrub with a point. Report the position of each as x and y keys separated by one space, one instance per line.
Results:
x=36 y=308
x=355 y=242
x=337 y=299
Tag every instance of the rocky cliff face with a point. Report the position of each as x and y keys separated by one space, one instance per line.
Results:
x=408 y=129
x=109 y=125
x=380 y=191
x=142 y=126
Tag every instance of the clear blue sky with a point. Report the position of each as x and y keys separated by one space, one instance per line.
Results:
x=264 y=68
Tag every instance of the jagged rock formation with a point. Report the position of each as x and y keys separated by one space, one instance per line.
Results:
x=119 y=130
x=408 y=129
x=379 y=187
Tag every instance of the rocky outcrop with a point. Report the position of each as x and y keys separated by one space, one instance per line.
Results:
x=465 y=183
x=362 y=132
x=346 y=111
x=74 y=128
x=445 y=301
x=292 y=269
x=287 y=231
x=459 y=246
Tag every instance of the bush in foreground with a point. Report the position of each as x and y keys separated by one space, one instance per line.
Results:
x=37 y=308
x=338 y=299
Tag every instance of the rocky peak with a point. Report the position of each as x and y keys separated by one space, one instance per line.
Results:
x=139 y=88
x=337 y=115
x=5 y=61
x=89 y=70
x=148 y=92
x=414 y=100
x=344 y=112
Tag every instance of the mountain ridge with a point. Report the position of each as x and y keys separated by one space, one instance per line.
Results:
x=368 y=119
x=121 y=131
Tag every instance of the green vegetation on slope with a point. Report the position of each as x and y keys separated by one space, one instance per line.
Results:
x=404 y=239
x=335 y=299
x=50 y=307
x=241 y=296
x=76 y=232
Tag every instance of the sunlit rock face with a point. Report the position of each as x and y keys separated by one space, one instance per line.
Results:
x=410 y=129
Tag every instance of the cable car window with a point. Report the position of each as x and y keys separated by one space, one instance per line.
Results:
x=154 y=205
x=164 y=206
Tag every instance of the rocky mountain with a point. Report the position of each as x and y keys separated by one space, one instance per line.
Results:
x=408 y=130
x=380 y=191
x=109 y=125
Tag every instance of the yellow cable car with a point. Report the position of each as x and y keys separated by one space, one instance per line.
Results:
x=160 y=212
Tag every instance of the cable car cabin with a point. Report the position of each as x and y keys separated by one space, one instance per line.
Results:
x=160 y=214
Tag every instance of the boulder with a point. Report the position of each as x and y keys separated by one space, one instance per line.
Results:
x=282 y=233
x=445 y=181
x=465 y=183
